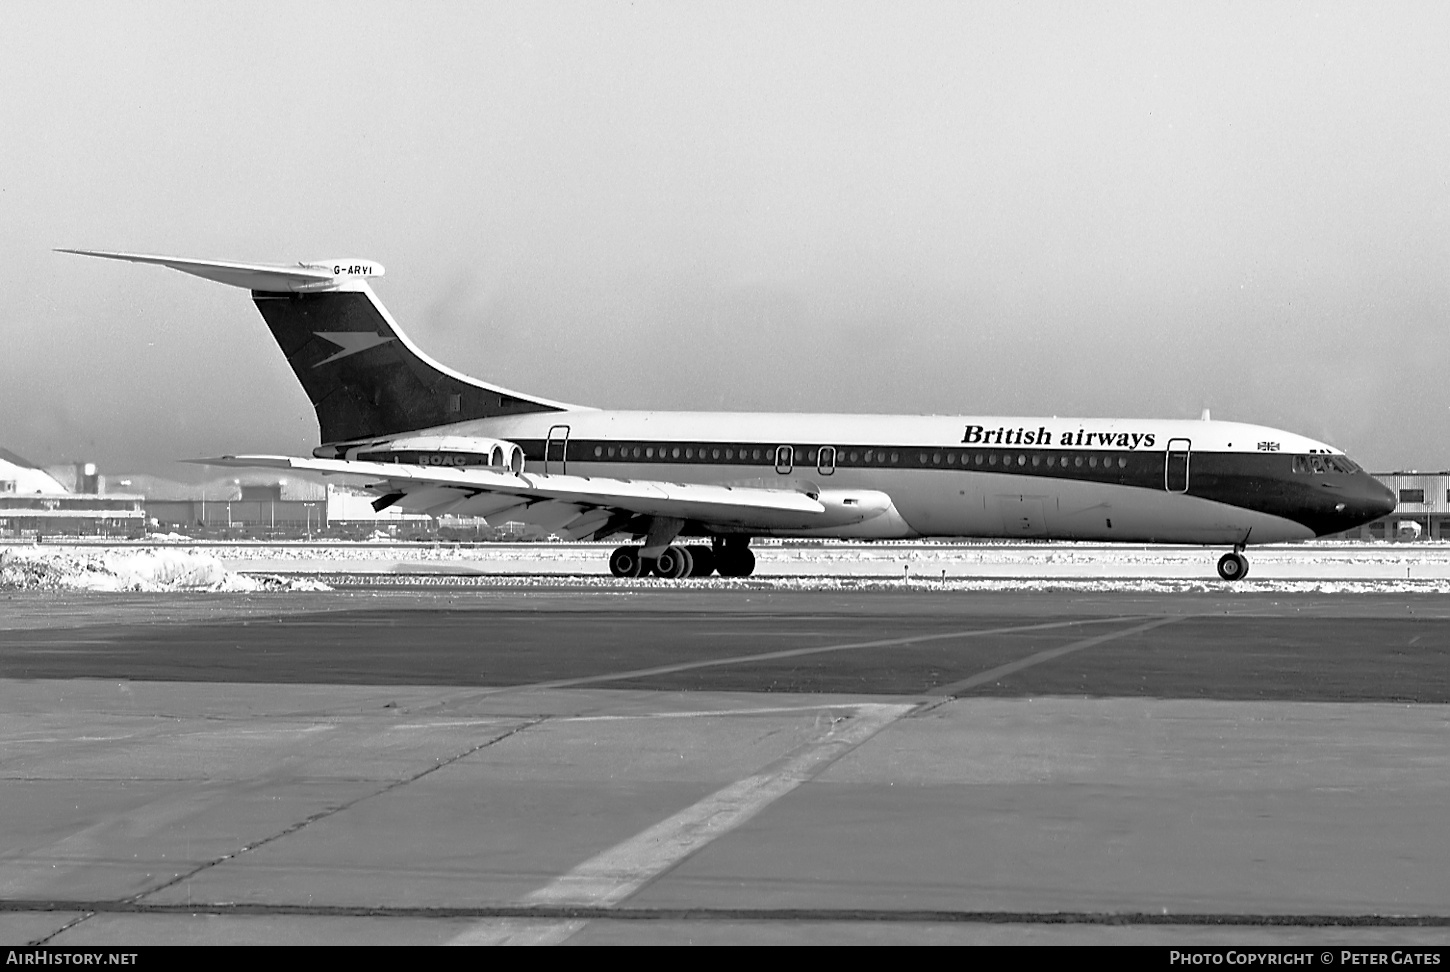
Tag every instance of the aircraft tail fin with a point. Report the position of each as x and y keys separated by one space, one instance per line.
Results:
x=363 y=375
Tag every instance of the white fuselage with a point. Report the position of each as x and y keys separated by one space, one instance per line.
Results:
x=967 y=476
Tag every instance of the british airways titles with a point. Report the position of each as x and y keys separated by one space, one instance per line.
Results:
x=981 y=435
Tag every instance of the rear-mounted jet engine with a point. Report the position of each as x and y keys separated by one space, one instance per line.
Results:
x=441 y=450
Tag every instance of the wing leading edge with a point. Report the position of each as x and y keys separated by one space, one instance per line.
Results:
x=574 y=506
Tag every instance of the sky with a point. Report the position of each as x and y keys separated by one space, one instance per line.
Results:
x=1037 y=208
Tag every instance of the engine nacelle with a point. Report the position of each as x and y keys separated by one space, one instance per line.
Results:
x=443 y=450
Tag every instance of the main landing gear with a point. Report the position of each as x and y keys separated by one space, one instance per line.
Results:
x=730 y=558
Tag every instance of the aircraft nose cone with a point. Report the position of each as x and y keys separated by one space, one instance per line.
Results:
x=1372 y=500
x=1381 y=501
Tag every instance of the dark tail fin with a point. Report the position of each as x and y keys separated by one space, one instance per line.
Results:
x=362 y=374
x=365 y=378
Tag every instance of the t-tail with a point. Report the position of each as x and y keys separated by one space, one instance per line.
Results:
x=363 y=375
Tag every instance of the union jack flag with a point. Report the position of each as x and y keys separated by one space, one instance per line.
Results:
x=1268 y=447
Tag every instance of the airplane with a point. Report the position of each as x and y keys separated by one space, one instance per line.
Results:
x=432 y=440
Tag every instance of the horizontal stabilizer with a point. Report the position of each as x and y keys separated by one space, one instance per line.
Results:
x=361 y=373
x=260 y=277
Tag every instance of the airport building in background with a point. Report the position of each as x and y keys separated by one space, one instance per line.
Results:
x=1423 y=512
x=35 y=502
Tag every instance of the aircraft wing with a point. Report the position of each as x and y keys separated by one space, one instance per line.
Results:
x=572 y=506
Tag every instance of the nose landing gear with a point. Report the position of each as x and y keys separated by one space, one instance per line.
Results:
x=1233 y=566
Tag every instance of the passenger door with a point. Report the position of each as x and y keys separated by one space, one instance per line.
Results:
x=1175 y=466
x=556 y=450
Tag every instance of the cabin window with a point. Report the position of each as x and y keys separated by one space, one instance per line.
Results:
x=951 y=458
x=755 y=455
x=992 y=459
x=1077 y=461
x=1036 y=460
x=895 y=457
x=853 y=457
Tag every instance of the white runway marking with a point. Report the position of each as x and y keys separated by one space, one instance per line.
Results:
x=612 y=876
x=787 y=653
x=992 y=674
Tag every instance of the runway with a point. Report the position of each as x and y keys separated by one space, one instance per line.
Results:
x=572 y=766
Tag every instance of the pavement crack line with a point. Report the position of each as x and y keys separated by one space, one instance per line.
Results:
x=765 y=656
x=46 y=939
x=615 y=874
x=331 y=811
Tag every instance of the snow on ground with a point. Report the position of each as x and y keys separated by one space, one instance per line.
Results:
x=132 y=569
x=1322 y=567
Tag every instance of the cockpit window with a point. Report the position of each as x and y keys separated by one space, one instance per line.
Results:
x=1320 y=464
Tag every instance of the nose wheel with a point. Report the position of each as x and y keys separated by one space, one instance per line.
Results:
x=1233 y=566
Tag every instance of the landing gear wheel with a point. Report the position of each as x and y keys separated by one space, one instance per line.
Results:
x=626 y=562
x=1233 y=566
x=674 y=563
x=735 y=561
x=703 y=559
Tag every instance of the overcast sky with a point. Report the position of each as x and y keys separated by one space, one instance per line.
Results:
x=1021 y=208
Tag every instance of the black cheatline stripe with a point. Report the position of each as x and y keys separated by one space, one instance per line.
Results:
x=551 y=913
x=1235 y=478
x=1114 y=466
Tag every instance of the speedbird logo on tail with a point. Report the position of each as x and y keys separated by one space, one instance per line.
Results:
x=351 y=342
